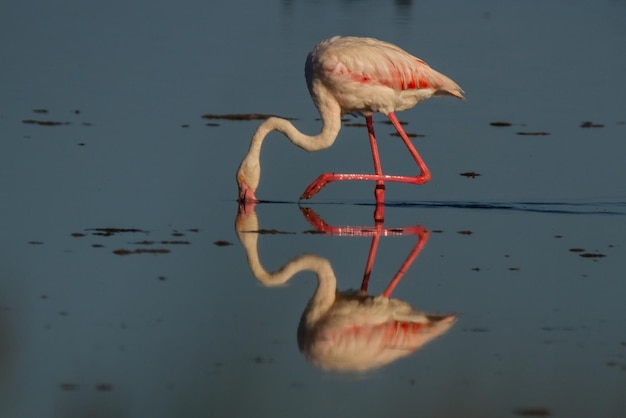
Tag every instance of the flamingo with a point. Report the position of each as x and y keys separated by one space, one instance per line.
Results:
x=348 y=331
x=353 y=75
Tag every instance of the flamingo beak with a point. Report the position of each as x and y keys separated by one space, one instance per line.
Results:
x=247 y=199
x=246 y=194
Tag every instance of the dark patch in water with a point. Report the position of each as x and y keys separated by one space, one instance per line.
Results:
x=107 y=232
x=35 y=242
x=69 y=387
x=176 y=242
x=589 y=124
x=144 y=242
x=104 y=387
x=470 y=174
x=500 y=124
x=123 y=251
x=40 y=110
x=532 y=412
x=242 y=116
x=410 y=135
x=222 y=243
x=465 y=232
x=538 y=133
x=355 y=124
x=593 y=255
x=44 y=122
x=388 y=122
x=577 y=250
x=78 y=234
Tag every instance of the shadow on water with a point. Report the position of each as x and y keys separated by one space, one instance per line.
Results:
x=580 y=208
x=349 y=331
x=608 y=207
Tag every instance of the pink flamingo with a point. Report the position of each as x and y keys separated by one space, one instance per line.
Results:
x=349 y=330
x=353 y=75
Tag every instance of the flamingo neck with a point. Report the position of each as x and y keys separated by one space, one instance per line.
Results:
x=330 y=113
x=325 y=293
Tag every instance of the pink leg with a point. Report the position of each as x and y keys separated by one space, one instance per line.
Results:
x=376 y=232
x=422 y=239
x=370 y=262
x=421 y=178
x=379 y=191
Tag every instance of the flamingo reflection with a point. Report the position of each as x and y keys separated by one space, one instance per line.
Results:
x=349 y=330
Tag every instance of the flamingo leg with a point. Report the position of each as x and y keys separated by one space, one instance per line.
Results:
x=424 y=175
x=421 y=178
x=379 y=191
x=370 y=262
x=422 y=239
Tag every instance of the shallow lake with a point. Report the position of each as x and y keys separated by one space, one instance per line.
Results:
x=133 y=285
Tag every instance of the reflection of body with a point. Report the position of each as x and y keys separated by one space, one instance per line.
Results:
x=346 y=331
x=353 y=75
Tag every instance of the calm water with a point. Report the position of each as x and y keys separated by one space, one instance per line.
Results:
x=125 y=289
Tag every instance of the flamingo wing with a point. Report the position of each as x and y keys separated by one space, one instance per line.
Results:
x=368 y=61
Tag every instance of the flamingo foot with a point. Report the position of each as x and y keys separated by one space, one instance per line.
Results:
x=326 y=178
x=317 y=185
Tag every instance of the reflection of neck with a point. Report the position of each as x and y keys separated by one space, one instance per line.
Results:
x=247 y=230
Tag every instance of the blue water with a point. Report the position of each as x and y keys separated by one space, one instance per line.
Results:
x=529 y=254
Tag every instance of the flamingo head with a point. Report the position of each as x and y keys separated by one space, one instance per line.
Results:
x=248 y=177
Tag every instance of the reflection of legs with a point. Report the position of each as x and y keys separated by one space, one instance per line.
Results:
x=422 y=239
x=370 y=262
x=376 y=232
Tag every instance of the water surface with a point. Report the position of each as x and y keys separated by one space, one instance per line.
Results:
x=124 y=289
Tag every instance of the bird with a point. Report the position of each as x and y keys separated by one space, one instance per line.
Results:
x=353 y=75
x=346 y=331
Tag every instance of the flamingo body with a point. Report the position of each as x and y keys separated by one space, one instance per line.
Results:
x=353 y=75
x=365 y=75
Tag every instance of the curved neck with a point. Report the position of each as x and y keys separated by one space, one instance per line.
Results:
x=330 y=113
x=247 y=230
